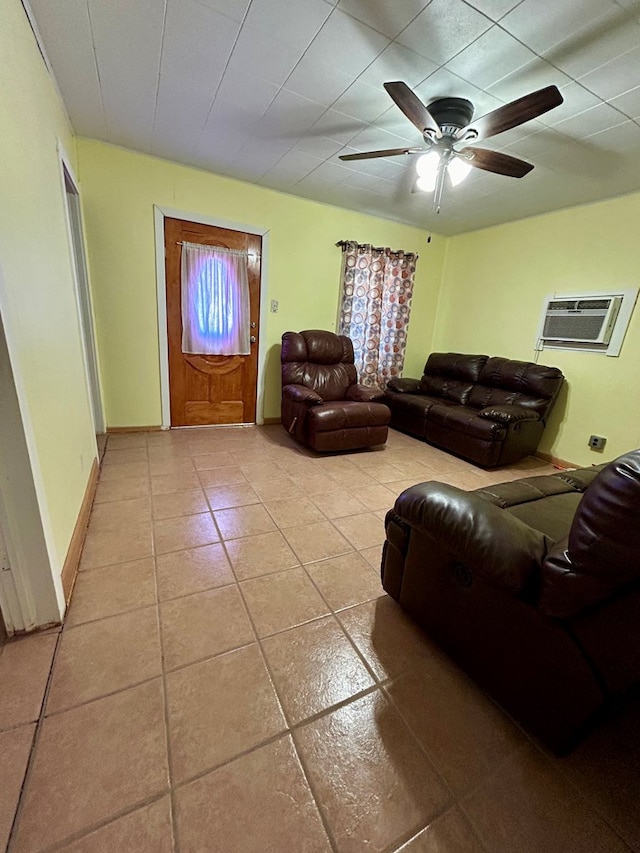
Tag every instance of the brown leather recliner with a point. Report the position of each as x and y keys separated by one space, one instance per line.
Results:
x=532 y=587
x=322 y=404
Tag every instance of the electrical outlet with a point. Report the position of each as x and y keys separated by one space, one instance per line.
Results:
x=597 y=442
x=274 y=306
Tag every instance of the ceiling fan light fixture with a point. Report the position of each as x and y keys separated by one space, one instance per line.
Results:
x=458 y=169
x=427 y=169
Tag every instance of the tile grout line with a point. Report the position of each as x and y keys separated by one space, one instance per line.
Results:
x=378 y=684
x=34 y=745
x=285 y=715
x=165 y=704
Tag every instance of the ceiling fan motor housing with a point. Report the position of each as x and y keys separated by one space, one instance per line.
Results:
x=451 y=114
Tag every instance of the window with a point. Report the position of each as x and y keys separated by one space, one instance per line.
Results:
x=215 y=301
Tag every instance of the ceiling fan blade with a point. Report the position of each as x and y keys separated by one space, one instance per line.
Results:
x=517 y=112
x=412 y=107
x=495 y=161
x=387 y=152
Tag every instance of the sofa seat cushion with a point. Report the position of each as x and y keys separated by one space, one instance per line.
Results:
x=466 y=419
x=341 y=415
x=418 y=405
x=505 y=495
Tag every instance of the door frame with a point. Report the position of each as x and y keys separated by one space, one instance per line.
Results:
x=159 y=214
x=84 y=302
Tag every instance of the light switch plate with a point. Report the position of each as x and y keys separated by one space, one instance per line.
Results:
x=274 y=306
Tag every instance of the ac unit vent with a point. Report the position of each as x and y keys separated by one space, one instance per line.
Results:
x=588 y=321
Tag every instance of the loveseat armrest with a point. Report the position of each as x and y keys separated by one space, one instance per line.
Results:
x=364 y=394
x=509 y=414
x=301 y=394
x=484 y=538
x=404 y=386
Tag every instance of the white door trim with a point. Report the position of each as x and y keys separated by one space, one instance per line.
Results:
x=31 y=591
x=83 y=296
x=159 y=213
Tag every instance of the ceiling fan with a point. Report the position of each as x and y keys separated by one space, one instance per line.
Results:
x=446 y=123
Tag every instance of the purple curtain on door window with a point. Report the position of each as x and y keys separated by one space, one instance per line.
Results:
x=215 y=300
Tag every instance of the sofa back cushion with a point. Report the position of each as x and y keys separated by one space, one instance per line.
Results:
x=503 y=382
x=601 y=554
x=451 y=375
x=604 y=540
x=318 y=360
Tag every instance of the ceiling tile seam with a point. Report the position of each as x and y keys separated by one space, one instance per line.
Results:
x=196 y=147
x=302 y=55
x=380 y=33
x=442 y=65
x=280 y=87
x=45 y=57
x=95 y=59
x=155 y=106
x=332 y=105
x=624 y=9
x=576 y=80
x=326 y=110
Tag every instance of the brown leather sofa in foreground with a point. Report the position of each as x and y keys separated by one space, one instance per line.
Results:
x=491 y=411
x=532 y=587
x=322 y=404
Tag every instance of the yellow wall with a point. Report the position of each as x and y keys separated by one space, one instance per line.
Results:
x=119 y=190
x=37 y=295
x=494 y=285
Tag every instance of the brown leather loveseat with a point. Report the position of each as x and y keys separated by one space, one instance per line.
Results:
x=322 y=404
x=532 y=587
x=491 y=411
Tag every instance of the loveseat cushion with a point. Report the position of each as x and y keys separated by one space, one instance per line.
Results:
x=524 y=491
x=565 y=593
x=466 y=420
x=504 y=382
x=546 y=503
x=508 y=414
x=604 y=540
x=451 y=375
x=404 y=386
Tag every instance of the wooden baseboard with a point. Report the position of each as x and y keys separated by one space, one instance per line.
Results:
x=560 y=463
x=271 y=421
x=72 y=561
x=155 y=428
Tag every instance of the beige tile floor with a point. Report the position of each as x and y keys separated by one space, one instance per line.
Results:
x=232 y=678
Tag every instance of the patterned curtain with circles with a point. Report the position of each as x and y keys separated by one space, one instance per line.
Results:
x=377 y=286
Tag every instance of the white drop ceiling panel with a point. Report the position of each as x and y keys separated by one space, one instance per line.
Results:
x=346 y=43
x=273 y=91
x=492 y=56
x=75 y=70
x=387 y=16
x=443 y=29
x=128 y=70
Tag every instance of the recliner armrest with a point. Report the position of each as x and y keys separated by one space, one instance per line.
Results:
x=483 y=537
x=364 y=394
x=301 y=394
x=404 y=386
x=509 y=414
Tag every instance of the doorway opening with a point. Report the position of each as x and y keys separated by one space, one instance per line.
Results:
x=83 y=296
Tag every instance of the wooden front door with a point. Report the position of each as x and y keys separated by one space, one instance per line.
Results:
x=210 y=389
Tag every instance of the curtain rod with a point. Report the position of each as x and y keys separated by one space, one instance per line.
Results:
x=384 y=249
x=221 y=248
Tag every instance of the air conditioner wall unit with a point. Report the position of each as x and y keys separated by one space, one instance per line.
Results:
x=584 y=320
